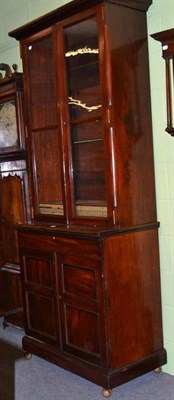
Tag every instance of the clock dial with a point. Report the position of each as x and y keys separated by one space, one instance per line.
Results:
x=8 y=127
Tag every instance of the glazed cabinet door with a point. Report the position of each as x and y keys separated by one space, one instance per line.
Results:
x=82 y=308
x=39 y=277
x=69 y=121
x=42 y=117
x=87 y=117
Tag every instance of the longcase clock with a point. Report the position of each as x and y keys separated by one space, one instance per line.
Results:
x=13 y=194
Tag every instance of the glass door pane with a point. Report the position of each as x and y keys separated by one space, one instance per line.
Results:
x=42 y=83
x=48 y=180
x=85 y=115
x=8 y=126
x=46 y=153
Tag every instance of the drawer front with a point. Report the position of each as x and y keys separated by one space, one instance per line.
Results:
x=61 y=244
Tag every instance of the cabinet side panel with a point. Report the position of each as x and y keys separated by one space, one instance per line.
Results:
x=134 y=299
x=132 y=115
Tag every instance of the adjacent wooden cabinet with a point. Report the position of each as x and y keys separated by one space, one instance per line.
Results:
x=167 y=41
x=89 y=255
x=13 y=195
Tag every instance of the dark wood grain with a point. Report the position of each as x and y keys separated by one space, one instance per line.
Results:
x=106 y=325
x=91 y=283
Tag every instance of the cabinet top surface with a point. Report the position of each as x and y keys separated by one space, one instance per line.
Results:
x=68 y=10
x=80 y=231
x=164 y=36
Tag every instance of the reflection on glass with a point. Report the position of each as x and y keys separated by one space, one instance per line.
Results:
x=44 y=129
x=88 y=162
x=8 y=127
x=46 y=152
x=89 y=169
x=42 y=85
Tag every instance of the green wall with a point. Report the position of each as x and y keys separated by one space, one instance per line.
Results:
x=161 y=17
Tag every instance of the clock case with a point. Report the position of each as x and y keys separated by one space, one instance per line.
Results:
x=13 y=204
x=11 y=90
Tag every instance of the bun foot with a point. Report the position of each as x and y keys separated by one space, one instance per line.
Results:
x=106 y=392
x=28 y=356
x=158 y=370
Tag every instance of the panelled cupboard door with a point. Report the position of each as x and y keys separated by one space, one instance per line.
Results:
x=82 y=308
x=69 y=120
x=39 y=275
x=68 y=289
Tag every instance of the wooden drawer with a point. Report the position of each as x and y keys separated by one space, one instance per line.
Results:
x=61 y=244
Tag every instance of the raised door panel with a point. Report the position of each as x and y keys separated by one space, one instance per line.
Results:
x=40 y=295
x=82 y=314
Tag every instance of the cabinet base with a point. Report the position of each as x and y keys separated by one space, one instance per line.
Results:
x=107 y=379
